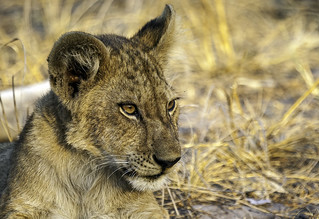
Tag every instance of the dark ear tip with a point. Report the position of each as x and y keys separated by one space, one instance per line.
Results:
x=168 y=11
x=169 y=7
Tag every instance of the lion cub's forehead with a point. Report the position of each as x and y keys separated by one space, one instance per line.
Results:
x=141 y=76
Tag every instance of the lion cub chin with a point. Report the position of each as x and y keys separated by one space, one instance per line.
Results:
x=106 y=134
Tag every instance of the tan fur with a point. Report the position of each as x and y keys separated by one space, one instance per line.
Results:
x=80 y=154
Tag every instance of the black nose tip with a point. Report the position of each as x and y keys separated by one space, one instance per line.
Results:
x=166 y=163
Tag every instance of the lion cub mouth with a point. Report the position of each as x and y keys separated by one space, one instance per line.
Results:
x=146 y=172
x=134 y=174
x=146 y=182
x=154 y=177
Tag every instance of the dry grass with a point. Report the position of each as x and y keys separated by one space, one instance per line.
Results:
x=248 y=71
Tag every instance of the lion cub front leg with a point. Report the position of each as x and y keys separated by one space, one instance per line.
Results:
x=21 y=215
x=16 y=216
x=21 y=211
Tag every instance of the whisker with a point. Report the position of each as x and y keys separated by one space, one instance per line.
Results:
x=95 y=164
x=111 y=163
x=126 y=172
x=114 y=172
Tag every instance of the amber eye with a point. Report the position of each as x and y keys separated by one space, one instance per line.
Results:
x=171 y=106
x=128 y=109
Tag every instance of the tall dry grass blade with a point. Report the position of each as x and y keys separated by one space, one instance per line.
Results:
x=24 y=54
x=15 y=105
x=202 y=30
x=226 y=41
x=230 y=111
x=234 y=133
x=173 y=201
x=275 y=128
x=236 y=98
x=27 y=7
x=304 y=70
x=163 y=196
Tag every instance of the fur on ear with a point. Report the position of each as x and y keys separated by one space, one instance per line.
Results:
x=74 y=62
x=157 y=35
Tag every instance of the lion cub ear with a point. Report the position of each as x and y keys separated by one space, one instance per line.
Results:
x=74 y=63
x=157 y=35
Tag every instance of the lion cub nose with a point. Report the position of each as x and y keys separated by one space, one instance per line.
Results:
x=166 y=163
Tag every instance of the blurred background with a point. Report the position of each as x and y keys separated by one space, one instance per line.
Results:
x=248 y=74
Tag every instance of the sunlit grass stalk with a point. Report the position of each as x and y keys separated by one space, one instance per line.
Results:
x=15 y=105
x=225 y=37
x=285 y=119
x=305 y=71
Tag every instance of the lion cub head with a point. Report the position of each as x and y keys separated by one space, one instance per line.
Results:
x=123 y=112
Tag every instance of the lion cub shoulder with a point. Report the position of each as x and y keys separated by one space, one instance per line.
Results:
x=105 y=136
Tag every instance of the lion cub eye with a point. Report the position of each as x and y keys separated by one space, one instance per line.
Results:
x=128 y=109
x=171 y=106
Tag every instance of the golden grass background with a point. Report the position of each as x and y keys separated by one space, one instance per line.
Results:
x=248 y=74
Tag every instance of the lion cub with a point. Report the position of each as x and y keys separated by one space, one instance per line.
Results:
x=105 y=136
